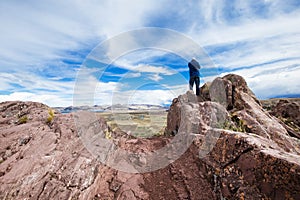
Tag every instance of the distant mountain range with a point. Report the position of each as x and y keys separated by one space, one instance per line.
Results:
x=287 y=96
x=136 y=107
x=106 y=108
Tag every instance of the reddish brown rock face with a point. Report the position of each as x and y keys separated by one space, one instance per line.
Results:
x=287 y=111
x=252 y=158
x=248 y=153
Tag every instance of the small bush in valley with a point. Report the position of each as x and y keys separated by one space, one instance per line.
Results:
x=23 y=120
x=51 y=116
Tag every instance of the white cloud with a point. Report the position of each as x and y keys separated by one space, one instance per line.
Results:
x=259 y=51
x=54 y=100
x=29 y=81
x=136 y=45
x=273 y=79
x=153 y=72
x=155 y=77
x=145 y=68
x=153 y=97
x=36 y=41
x=267 y=46
x=88 y=89
x=47 y=29
x=133 y=75
x=154 y=69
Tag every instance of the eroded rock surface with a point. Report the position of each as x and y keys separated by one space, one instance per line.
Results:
x=287 y=111
x=239 y=151
x=254 y=156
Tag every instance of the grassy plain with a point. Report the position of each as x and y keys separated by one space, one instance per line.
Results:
x=143 y=123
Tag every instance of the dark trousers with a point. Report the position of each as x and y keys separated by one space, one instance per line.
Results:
x=196 y=80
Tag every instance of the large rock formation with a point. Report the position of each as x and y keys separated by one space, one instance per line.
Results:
x=287 y=111
x=254 y=156
x=238 y=151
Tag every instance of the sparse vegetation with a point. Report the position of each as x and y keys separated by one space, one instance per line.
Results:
x=23 y=119
x=107 y=134
x=236 y=124
x=139 y=124
x=289 y=122
x=50 y=117
x=240 y=125
x=228 y=125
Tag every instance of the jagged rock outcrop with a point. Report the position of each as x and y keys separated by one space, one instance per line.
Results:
x=288 y=112
x=42 y=159
x=227 y=91
x=232 y=92
x=254 y=157
x=47 y=160
x=209 y=114
x=238 y=151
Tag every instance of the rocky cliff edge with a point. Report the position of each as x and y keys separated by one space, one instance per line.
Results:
x=238 y=151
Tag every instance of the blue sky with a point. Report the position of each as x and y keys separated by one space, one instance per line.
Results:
x=43 y=45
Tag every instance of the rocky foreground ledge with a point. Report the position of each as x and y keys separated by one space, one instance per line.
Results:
x=255 y=155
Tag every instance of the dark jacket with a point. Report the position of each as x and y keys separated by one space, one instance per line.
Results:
x=194 y=68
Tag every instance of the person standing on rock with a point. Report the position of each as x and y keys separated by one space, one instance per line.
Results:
x=194 y=67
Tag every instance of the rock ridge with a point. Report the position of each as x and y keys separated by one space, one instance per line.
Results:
x=240 y=151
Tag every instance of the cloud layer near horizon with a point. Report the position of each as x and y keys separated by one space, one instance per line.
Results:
x=43 y=44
